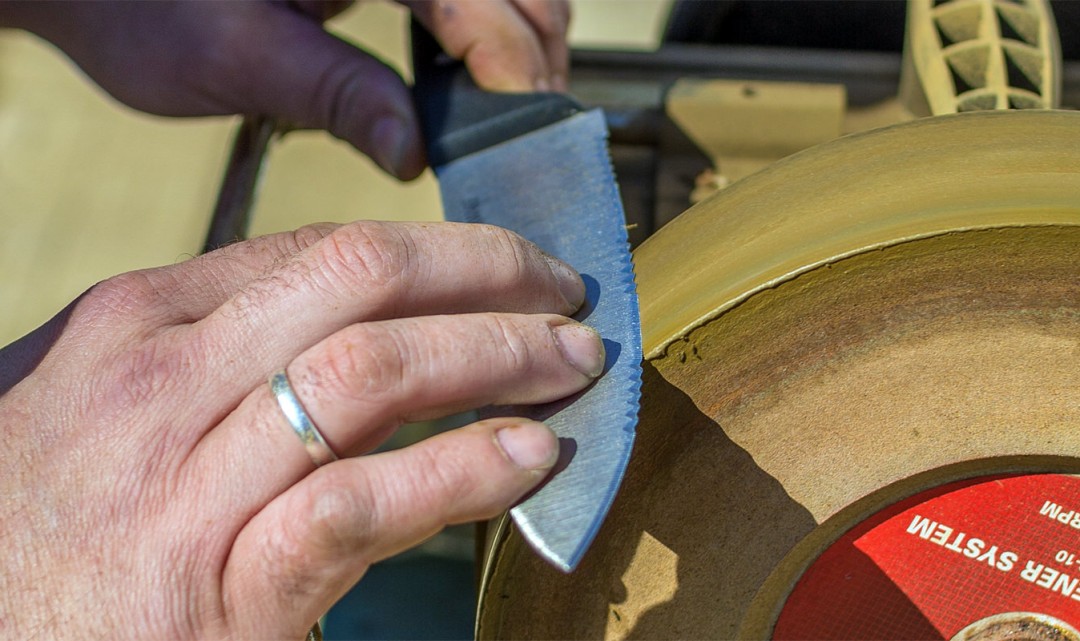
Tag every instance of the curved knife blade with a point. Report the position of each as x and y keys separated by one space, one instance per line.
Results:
x=538 y=165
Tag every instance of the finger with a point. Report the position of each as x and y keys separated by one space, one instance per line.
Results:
x=550 y=22
x=196 y=287
x=243 y=57
x=138 y=304
x=296 y=557
x=371 y=271
x=495 y=40
x=285 y=64
x=364 y=381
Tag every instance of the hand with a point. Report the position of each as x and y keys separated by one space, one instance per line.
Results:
x=153 y=489
x=182 y=58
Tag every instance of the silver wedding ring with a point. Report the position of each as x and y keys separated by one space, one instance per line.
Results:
x=313 y=441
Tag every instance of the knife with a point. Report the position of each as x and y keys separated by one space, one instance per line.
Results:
x=538 y=164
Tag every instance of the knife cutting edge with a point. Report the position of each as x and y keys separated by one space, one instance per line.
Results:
x=538 y=164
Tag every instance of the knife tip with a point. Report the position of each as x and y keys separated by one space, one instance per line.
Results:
x=564 y=553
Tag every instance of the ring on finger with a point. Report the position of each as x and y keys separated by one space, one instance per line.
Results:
x=298 y=418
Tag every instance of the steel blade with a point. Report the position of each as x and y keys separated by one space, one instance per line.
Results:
x=555 y=186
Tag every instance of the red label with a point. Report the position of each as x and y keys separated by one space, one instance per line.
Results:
x=929 y=566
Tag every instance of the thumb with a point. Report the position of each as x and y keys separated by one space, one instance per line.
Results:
x=291 y=68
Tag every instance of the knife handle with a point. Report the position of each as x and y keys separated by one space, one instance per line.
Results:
x=458 y=118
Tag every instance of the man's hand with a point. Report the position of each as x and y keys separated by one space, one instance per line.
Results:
x=153 y=489
x=183 y=58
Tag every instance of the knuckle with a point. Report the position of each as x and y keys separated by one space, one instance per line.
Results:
x=349 y=93
x=338 y=96
x=334 y=86
x=511 y=241
x=514 y=342
x=294 y=271
x=337 y=516
x=363 y=363
x=268 y=258
x=287 y=244
x=375 y=255
x=517 y=253
x=420 y=495
x=300 y=239
x=127 y=296
x=330 y=518
x=447 y=475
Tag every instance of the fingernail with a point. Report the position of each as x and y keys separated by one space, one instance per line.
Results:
x=542 y=84
x=570 y=283
x=530 y=445
x=390 y=137
x=581 y=346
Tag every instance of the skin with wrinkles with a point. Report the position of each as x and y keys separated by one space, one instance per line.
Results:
x=151 y=487
x=154 y=486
